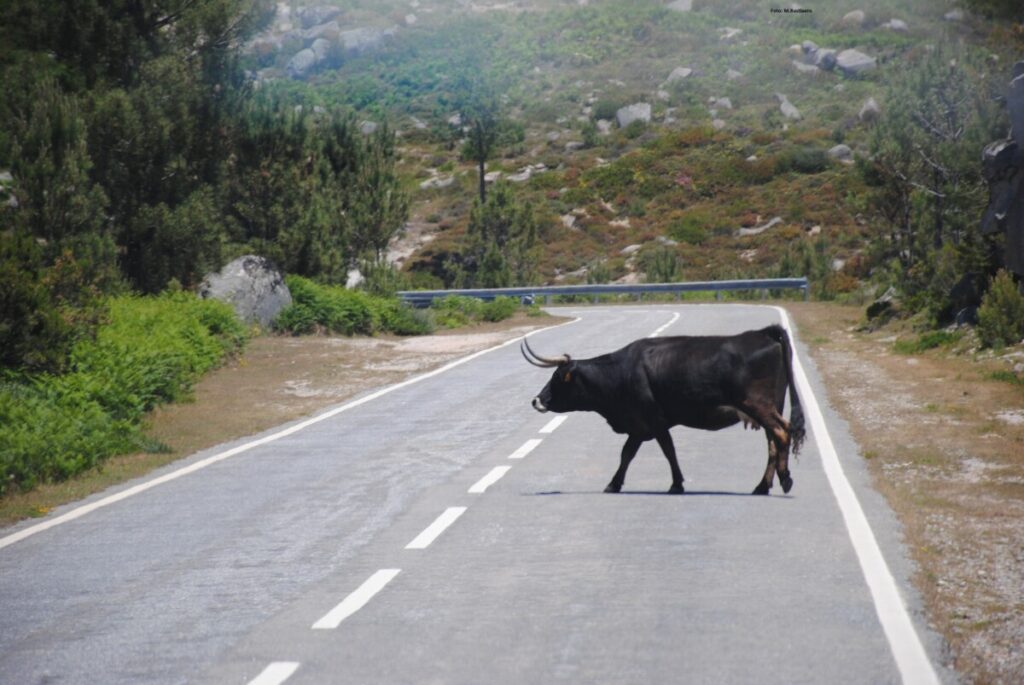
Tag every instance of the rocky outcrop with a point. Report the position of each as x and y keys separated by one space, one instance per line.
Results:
x=253 y=286
x=854 y=62
x=640 y=111
x=1003 y=169
x=788 y=109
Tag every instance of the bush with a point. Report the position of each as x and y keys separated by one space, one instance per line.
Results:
x=500 y=308
x=803 y=160
x=1001 y=315
x=152 y=351
x=333 y=309
x=455 y=311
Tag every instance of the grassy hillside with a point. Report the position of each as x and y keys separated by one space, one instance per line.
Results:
x=718 y=156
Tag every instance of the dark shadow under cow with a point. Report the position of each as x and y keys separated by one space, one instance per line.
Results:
x=707 y=382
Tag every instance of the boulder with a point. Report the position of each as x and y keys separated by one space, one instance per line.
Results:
x=954 y=15
x=788 y=110
x=354 y=278
x=825 y=59
x=321 y=48
x=854 y=62
x=869 y=111
x=803 y=68
x=681 y=6
x=640 y=111
x=884 y=308
x=368 y=128
x=6 y=190
x=361 y=41
x=897 y=25
x=854 y=19
x=841 y=153
x=678 y=75
x=313 y=16
x=733 y=75
x=300 y=64
x=253 y=286
x=728 y=32
x=329 y=31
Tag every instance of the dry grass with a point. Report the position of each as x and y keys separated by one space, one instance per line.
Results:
x=943 y=446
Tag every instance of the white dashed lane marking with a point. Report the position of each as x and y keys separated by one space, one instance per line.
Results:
x=450 y=516
x=490 y=479
x=528 y=446
x=357 y=600
x=276 y=673
x=553 y=424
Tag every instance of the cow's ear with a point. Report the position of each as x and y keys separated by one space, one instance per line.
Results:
x=569 y=370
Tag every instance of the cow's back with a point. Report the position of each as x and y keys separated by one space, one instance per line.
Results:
x=693 y=380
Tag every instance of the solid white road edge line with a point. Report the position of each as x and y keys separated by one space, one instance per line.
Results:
x=553 y=424
x=911 y=659
x=357 y=600
x=655 y=334
x=227 y=454
x=490 y=479
x=527 y=447
x=447 y=518
x=276 y=673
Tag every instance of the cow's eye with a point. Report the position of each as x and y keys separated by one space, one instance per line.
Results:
x=568 y=376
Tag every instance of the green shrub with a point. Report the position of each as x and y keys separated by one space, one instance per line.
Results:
x=150 y=352
x=1001 y=315
x=803 y=160
x=500 y=308
x=926 y=341
x=606 y=108
x=690 y=229
x=455 y=311
x=334 y=309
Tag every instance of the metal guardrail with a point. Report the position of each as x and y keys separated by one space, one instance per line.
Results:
x=423 y=298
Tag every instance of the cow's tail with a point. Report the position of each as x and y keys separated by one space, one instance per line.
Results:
x=797 y=431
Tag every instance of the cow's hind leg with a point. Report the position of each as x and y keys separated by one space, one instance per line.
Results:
x=777 y=429
x=669 y=448
x=629 y=451
x=769 y=473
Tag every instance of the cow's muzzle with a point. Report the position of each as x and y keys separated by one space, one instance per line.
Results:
x=539 y=405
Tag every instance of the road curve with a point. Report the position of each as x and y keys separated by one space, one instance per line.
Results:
x=444 y=532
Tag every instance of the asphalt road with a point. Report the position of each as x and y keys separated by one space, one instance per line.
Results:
x=445 y=532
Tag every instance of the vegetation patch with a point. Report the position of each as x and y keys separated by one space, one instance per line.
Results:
x=150 y=352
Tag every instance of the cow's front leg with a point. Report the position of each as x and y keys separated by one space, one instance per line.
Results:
x=629 y=451
x=669 y=448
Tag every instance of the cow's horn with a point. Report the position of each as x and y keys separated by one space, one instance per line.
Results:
x=544 y=362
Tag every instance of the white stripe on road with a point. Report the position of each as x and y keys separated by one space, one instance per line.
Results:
x=655 y=334
x=527 y=447
x=276 y=673
x=553 y=424
x=911 y=659
x=78 y=512
x=357 y=600
x=490 y=479
x=423 y=540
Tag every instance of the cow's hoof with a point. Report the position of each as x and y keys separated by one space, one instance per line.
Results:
x=787 y=483
x=612 y=487
x=761 y=489
x=676 y=490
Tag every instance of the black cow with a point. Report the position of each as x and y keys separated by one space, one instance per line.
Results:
x=712 y=382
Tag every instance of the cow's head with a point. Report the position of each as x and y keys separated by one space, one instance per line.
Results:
x=562 y=393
